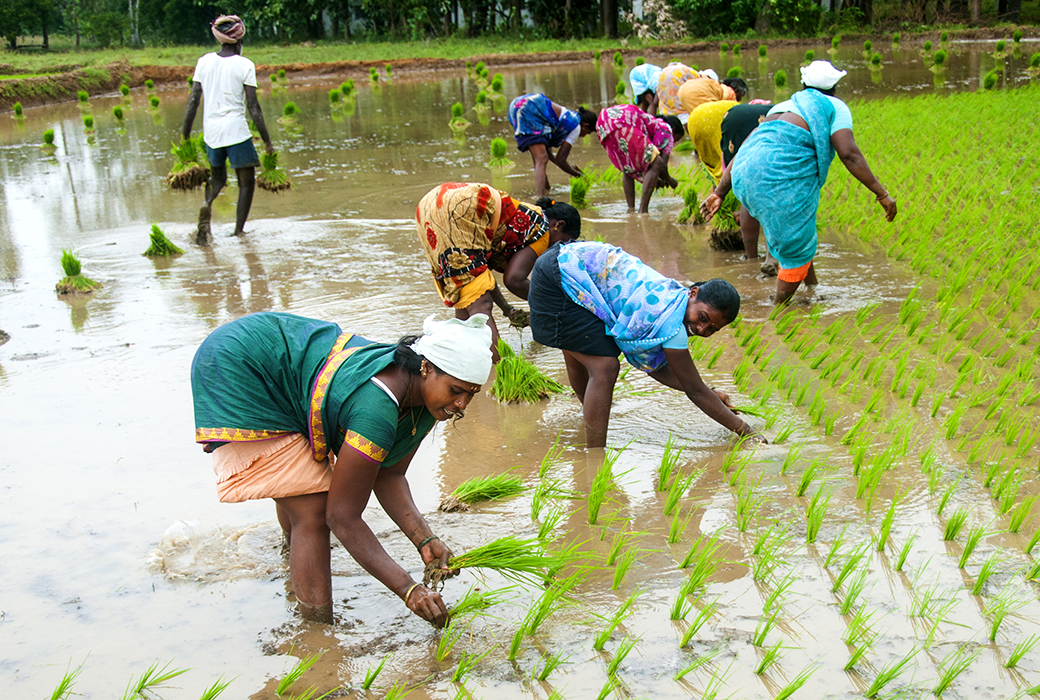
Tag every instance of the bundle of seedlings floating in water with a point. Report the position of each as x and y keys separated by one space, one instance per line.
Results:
x=734 y=72
x=348 y=89
x=835 y=45
x=1034 y=65
x=497 y=83
x=621 y=96
x=74 y=282
x=153 y=103
x=482 y=102
x=810 y=56
x=149 y=84
x=289 y=112
x=335 y=98
x=524 y=561
x=190 y=171
x=519 y=381
x=161 y=246
x=458 y=123
x=18 y=111
x=88 y=124
x=895 y=40
x=48 y=141
x=271 y=177
x=118 y=113
x=389 y=71
x=84 y=99
x=723 y=48
x=938 y=61
x=499 y=147
x=736 y=49
x=124 y=90
x=482 y=488
x=991 y=80
x=373 y=74
x=619 y=60
x=867 y=46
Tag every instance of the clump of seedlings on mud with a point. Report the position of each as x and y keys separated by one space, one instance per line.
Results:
x=483 y=488
x=48 y=141
x=74 y=282
x=458 y=123
x=271 y=177
x=517 y=380
x=161 y=246
x=190 y=171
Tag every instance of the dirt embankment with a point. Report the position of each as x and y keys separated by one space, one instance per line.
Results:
x=62 y=87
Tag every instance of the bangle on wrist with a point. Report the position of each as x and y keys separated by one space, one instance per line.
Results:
x=410 y=589
x=425 y=542
x=882 y=195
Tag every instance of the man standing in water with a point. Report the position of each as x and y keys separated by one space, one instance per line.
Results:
x=229 y=83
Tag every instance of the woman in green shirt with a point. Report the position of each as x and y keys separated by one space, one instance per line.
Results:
x=295 y=410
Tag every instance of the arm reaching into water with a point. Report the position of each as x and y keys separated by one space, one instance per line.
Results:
x=353 y=480
x=680 y=373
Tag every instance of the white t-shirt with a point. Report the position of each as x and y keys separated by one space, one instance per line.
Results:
x=574 y=135
x=223 y=80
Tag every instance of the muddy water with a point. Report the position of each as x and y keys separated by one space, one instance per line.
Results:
x=117 y=555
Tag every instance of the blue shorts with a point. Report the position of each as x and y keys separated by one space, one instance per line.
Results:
x=241 y=155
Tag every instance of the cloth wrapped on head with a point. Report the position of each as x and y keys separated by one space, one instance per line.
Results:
x=709 y=73
x=643 y=78
x=460 y=348
x=821 y=74
x=228 y=29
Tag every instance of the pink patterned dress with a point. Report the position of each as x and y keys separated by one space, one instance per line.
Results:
x=632 y=138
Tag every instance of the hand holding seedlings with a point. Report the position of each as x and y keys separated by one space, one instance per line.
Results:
x=427 y=604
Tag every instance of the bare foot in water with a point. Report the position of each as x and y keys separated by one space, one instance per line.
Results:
x=203 y=236
x=316 y=613
x=770 y=268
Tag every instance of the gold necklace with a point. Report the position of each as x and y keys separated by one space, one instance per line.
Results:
x=411 y=413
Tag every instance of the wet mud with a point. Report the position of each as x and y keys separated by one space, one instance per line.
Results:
x=118 y=555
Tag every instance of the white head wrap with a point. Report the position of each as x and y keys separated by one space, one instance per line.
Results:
x=643 y=78
x=821 y=74
x=708 y=73
x=460 y=348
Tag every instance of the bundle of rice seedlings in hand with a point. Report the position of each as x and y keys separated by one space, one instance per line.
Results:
x=271 y=177
x=517 y=380
x=725 y=230
x=189 y=172
x=74 y=282
x=517 y=559
x=691 y=213
x=161 y=246
x=498 y=154
x=482 y=488
x=579 y=188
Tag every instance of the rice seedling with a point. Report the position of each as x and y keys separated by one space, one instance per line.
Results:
x=748 y=503
x=153 y=102
x=999 y=607
x=602 y=483
x=373 y=74
x=855 y=558
x=1022 y=514
x=88 y=124
x=552 y=599
x=864 y=644
x=124 y=90
x=765 y=625
x=809 y=475
x=348 y=88
x=701 y=660
x=810 y=56
x=762 y=51
x=373 y=673
x=723 y=48
x=335 y=98
x=770 y=657
x=990 y=80
x=499 y=147
x=904 y=551
x=886 y=522
x=626 y=646
x=489 y=488
x=154 y=677
x=783 y=433
x=17 y=108
x=48 y=140
x=889 y=673
x=677 y=527
x=704 y=557
x=218 y=687
x=975 y=535
x=620 y=93
x=694 y=627
x=1024 y=646
x=449 y=635
x=986 y=571
x=515 y=641
x=550 y=662
x=397 y=691
x=497 y=83
x=955 y=523
x=68 y=680
x=780 y=79
x=160 y=244
x=74 y=282
x=623 y=612
x=669 y=462
x=621 y=567
x=522 y=560
x=734 y=71
x=815 y=513
x=517 y=380
x=836 y=544
x=952 y=665
x=798 y=681
x=945 y=498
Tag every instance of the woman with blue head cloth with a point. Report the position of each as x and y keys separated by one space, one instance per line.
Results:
x=780 y=169
x=317 y=419
x=540 y=125
x=643 y=80
x=594 y=301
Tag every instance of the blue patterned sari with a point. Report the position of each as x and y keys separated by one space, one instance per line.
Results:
x=778 y=174
x=640 y=307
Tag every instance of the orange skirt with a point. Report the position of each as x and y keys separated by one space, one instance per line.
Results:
x=796 y=274
x=276 y=468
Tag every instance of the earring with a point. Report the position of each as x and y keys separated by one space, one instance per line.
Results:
x=422 y=368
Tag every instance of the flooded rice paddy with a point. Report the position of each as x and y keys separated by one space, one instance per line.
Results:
x=116 y=554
